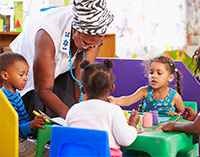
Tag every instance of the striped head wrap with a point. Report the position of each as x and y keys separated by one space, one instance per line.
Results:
x=91 y=16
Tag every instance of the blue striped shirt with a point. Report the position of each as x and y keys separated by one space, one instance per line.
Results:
x=17 y=103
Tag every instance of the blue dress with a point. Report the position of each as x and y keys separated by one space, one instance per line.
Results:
x=162 y=106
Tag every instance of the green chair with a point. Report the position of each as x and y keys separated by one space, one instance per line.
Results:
x=44 y=136
x=193 y=105
x=189 y=151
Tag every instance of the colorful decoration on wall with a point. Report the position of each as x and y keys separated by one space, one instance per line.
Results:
x=17 y=27
x=180 y=55
x=147 y=28
x=18 y=14
x=193 y=22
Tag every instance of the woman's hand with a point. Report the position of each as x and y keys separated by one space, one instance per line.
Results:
x=189 y=114
x=38 y=120
x=134 y=118
x=168 y=126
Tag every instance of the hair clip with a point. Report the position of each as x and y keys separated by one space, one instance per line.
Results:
x=176 y=70
x=170 y=62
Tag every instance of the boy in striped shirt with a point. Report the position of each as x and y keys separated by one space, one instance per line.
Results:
x=13 y=75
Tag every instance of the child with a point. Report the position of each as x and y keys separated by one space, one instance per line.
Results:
x=13 y=74
x=196 y=56
x=157 y=95
x=189 y=128
x=96 y=113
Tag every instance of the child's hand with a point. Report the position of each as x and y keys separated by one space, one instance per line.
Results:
x=134 y=118
x=189 y=114
x=171 y=113
x=113 y=100
x=168 y=127
x=38 y=120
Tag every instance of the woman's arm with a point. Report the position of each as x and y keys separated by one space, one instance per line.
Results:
x=189 y=128
x=43 y=70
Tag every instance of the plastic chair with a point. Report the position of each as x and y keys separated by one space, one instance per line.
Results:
x=193 y=105
x=44 y=136
x=9 y=132
x=68 y=141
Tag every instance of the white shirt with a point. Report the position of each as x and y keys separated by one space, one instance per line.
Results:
x=57 y=23
x=101 y=115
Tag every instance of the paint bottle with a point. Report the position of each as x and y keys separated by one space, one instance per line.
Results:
x=155 y=117
x=147 y=120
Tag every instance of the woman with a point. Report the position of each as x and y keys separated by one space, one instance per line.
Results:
x=46 y=44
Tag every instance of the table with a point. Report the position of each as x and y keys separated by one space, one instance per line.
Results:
x=165 y=144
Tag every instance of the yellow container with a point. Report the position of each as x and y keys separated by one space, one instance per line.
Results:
x=1 y=25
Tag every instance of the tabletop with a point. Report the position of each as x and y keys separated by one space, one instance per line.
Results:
x=159 y=143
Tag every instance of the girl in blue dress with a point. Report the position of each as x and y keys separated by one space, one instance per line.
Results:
x=157 y=95
x=189 y=114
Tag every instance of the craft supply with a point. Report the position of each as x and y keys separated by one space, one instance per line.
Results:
x=155 y=117
x=36 y=113
x=139 y=125
x=147 y=120
x=181 y=114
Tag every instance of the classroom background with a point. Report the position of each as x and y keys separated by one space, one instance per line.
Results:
x=143 y=29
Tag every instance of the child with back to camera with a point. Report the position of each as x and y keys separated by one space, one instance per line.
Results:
x=96 y=113
x=190 y=114
x=13 y=74
x=157 y=95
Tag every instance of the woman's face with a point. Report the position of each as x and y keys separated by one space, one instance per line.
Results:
x=85 y=42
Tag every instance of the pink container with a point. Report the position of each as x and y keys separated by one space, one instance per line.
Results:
x=147 y=120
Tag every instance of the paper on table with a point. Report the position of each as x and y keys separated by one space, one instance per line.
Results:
x=58 y=120
x=163 y=119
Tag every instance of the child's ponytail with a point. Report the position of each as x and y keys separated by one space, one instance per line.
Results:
x=178 y=78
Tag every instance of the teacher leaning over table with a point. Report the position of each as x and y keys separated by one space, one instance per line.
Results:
x=50 y=42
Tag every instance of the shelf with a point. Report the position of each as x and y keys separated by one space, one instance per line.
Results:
x=6 y=38
x=9 y=33
x=107 y=50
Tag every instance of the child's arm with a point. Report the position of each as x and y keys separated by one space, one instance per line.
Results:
x=134 y=118
x=178 y=103
x=38 y=120
x=128 y=100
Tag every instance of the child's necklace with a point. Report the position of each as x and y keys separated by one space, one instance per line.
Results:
x=79 y=83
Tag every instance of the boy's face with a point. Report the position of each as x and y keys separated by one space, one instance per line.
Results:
x=16 y=76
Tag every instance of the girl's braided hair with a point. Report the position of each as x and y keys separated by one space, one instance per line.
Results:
x=97 y=78
x=196 y=56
